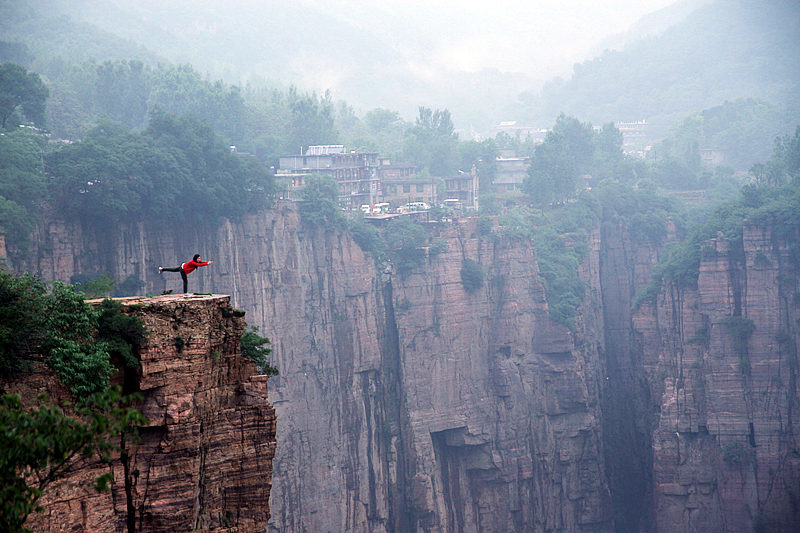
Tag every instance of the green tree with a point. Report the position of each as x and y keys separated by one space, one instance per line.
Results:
x=311 y=119
x=432 y=143
x=122 y=91
x=42 y=443
x=404 y=241
x=319 y=202
x=177 y=169
x=22 y=184
x=256 y=348
x=566 y=153
x=24 y=91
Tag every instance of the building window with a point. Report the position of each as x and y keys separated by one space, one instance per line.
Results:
x=420 y=187
x=407 y=187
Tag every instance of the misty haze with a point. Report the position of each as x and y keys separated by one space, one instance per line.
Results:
x=352 y=266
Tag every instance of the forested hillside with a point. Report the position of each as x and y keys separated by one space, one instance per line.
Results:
x=265 y=43
x=724 y=51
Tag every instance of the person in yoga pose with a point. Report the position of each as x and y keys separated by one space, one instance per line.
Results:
x=186 y=268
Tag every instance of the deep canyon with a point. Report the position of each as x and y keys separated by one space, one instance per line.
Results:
x=407 y=403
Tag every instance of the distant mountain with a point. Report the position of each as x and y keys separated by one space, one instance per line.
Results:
x=723 y=51
x=48 y=32
x=650 y=25
x=304 y=43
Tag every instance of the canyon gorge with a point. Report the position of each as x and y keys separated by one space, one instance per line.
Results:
x=406 y=402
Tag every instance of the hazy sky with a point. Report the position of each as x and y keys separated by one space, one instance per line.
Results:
x=532 y=36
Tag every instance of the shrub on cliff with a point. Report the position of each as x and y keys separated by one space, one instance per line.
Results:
x=59 y=328
x=255 y=347
x=404 y=241
x=471 y=275
x=319 y=204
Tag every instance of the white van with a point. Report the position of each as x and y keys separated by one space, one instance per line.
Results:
x=452 y=203
x=415 y=206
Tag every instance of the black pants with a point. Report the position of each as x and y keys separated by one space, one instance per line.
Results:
x=183 y=275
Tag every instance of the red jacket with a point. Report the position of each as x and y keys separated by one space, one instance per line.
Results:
x=191 y=266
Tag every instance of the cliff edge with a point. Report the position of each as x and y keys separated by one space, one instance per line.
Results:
x=204 y=460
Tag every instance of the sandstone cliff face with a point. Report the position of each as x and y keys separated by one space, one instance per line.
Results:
x=408 y=403
x=724 y=357
x=204 y=461
x=403 y=403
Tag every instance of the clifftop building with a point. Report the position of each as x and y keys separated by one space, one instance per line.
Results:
x=355 y=172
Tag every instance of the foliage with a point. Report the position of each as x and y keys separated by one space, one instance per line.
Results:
x=775 y=207
x=558 y=267
x=664 y=79
x=570 y=151
x=367 y=236
x=319 y=202
x=644 y=211
x=177 y=170
x=93 y=285
x=22 y=184
x=741 y=329
x=44 y=442
x=254 y=347
x=22 y=323
x=559 y=235
x=79 y=361
x=122 y=334
x=60 y=328
x=437 y=246
x=735 y=453
x=404 y=240
x=742 y=129
x=23 y=91
x=471 y=275
x=432 y=143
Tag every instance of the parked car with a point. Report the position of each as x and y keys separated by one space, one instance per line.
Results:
x=411 y=207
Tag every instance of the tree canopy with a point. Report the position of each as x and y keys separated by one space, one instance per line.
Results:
x=177 y=169
x=432 y=143
x=21 y=91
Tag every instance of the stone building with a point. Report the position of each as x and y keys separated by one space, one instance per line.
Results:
x=510 y=171
x=354 y=172
x=414 y=188
x=462 y=187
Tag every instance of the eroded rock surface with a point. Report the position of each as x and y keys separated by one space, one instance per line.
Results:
x=204 y=461
x=409 y=403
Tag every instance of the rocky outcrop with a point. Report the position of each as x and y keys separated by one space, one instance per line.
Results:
x=204 y=460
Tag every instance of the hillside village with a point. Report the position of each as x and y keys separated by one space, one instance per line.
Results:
x=375 y=185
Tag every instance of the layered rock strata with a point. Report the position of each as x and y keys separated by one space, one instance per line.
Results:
x=405 y=403
x=724 y=357
x=410 y=403
x=204 y=460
